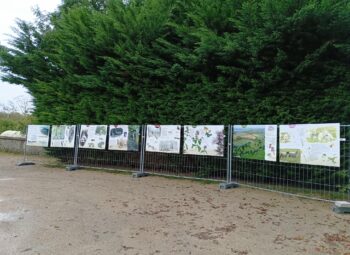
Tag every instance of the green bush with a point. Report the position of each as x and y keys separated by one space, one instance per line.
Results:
x=193 y=61
x=14 y=121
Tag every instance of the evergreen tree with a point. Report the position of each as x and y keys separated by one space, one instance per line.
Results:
x=193 y=61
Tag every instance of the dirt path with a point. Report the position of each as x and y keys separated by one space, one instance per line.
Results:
x=52 y=211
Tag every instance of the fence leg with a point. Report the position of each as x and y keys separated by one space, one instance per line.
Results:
x=141 y=172
x=75 y=165
x=348 y=162
x=229 y=184
x=344 y=206
x=341 y=207
x=25 y=161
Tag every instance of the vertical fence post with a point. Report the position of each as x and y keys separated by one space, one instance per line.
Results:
x=25 y=161
x=75 y=165
x=229 y=154
x=347 y=160
x=344 y=206
x=143 y=145
x=141 y=172
x=229 y=184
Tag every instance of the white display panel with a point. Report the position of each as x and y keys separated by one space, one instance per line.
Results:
x=93 y=137
x=63 y=136
x=312 y=144
x=38 y=135
x=204 y=140
x=163 y=138
x=124 y=137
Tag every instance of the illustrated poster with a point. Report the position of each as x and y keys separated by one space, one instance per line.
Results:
x=204 y=140
x=93 y=137
x=63 y=136
x=38 y=135
x=124 y=137
x=312 y=144
x=255 y=142
x=163 y=138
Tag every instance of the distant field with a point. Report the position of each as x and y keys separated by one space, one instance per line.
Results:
x=249 y=144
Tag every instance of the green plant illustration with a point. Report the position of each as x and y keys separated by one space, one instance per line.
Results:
x=284 y=137
x=58 y=132
x=101 y=130
x=322 y=135
x=197 y=139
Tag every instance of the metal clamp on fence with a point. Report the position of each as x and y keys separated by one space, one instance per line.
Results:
x=341 y=207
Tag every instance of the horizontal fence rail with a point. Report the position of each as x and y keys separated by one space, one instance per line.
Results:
x=316 y=182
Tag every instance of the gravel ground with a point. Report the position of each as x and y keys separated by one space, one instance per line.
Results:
x=46 y=210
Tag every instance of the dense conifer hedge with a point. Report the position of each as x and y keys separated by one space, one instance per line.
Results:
x=185 y=61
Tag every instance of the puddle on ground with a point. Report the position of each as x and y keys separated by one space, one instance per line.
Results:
x=8 y=216
x=7 y=179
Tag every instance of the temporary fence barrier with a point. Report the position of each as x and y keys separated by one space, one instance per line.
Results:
x=108 y=159
x=35 y=154
x=316 y=182
x=186 y=165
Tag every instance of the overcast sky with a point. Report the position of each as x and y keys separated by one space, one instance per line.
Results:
x=9 y=11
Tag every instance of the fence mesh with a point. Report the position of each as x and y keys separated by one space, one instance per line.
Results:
x=187 y=166
x=47 y=155
x=318 y=182
x=109 y=160
x=60 y=156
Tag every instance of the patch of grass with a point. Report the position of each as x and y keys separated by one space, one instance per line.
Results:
x=14 y=121
x=194 y=179
x=105 y=170
x=54 y=165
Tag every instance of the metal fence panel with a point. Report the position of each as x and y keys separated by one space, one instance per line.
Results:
x=47 y=155
x=188 y=166
x=113 y=160
x=318 y=182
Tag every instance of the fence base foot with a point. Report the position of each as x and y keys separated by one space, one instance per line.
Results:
x=139 y=175
x=26 y=163
x=72 y=167
x=341 y=207
x=229 y=185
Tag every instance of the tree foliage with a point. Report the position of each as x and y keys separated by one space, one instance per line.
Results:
x=14 y=121
x=193 y=61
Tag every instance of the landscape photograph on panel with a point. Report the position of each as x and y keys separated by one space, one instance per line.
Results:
x=38 y=135
x=312 y=144
x=163 y=138
x=255 y=142
x=63 y=136
x=204 y=140
x=124 y=137
x=93 y=137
